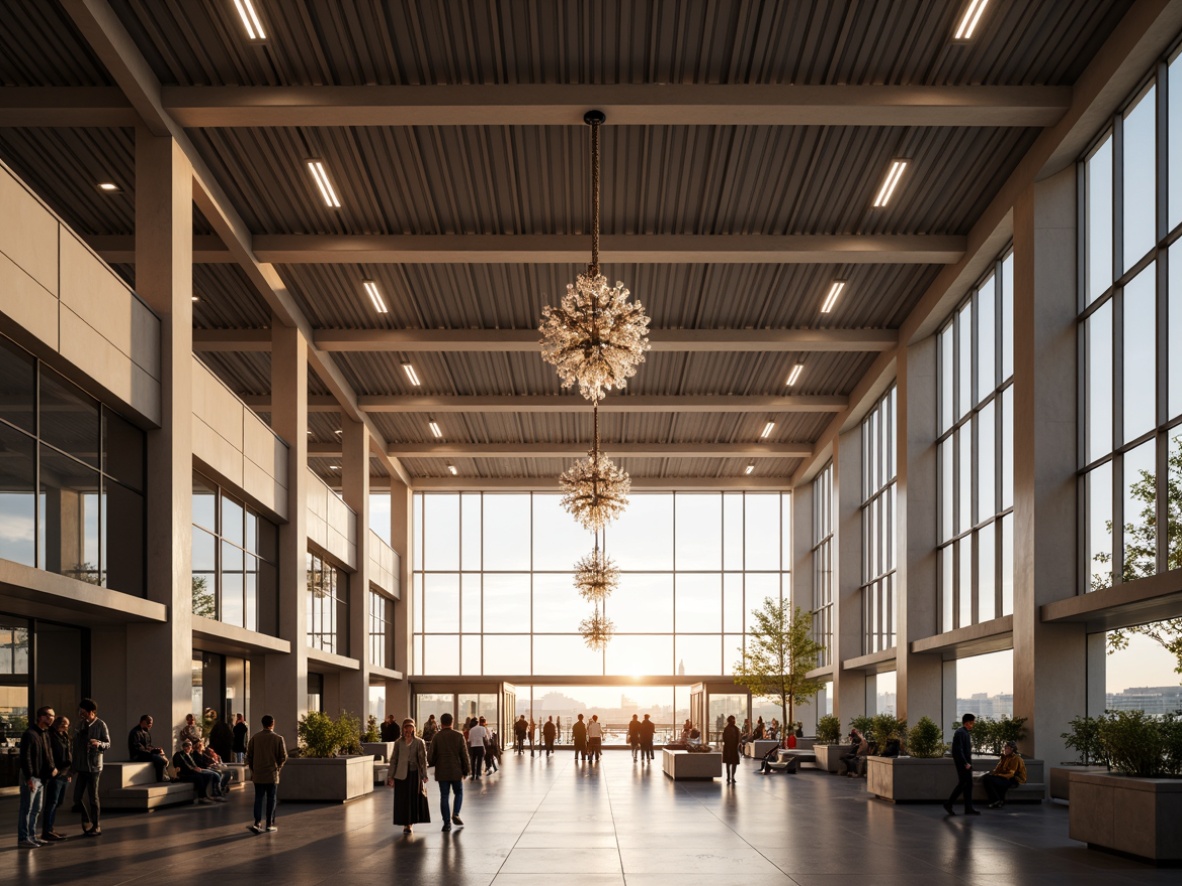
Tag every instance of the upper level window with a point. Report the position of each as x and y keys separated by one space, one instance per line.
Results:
x=327 y=602
x=878 y=525
x=1130 y=330
x=975 y=454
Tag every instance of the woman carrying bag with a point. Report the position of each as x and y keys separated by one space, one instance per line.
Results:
x=408 y=777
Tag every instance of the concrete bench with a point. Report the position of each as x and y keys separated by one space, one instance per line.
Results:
x=758 y=749
x=134 y=786
x=381 y=771
x=680 y=765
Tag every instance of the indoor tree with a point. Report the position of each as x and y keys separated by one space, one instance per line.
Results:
x=780 y=652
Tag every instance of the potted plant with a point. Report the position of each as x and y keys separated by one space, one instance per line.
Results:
x=328 y=763
x=1134 y=809
x=1083 y=737
x=887 y=728
x=828 y=747
x=925 y=741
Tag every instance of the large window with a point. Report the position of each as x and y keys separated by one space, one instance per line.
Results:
x=493 y=590
x=235 y=551
x=328 y=593
x=976 y=453
x=381 y=630
x=71 y=479
x=1130 y=331
x=823 y=563
x=878 y=525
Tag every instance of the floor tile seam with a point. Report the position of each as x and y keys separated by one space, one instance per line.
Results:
x=615 y=829
x=553 y=782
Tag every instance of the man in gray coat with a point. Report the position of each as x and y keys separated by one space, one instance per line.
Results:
x=448 y=753
x=91 y=739
x=265 y=755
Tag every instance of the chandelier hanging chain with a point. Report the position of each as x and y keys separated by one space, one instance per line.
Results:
x=593 y=269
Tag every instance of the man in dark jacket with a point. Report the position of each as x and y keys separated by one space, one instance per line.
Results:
x=962 y=756
x=91 y=740
x=578 y=734
x=241 y=734
x=141 y=750
x=648 y=730
x=448 y=753
x=221 y=737
x=36 y=772
x=549 y=730
x=55 y=791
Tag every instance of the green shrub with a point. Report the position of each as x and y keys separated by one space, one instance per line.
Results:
x=863 y=724
x=884 y=727
x=1004 y=729
x=372 y=733
x=1170 y=727
x=926 y=740
x=1135 y=743
x=829 y=730
x=982 y=735
x=1084 y=739
x=322 y=736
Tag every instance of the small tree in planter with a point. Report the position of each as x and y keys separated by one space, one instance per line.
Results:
x=1084 y=739
x=1135 y=743
x=981 y=734
x=926 y=740
x=322 y=736
x=829 y=730
x=780 y=652
x=372 y=733
x=1005 y=728
x=885 y=727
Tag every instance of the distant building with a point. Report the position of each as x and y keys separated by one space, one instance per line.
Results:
x=1150 y=699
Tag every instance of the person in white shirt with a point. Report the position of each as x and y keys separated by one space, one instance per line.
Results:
x=595 y=737
x=476 y=736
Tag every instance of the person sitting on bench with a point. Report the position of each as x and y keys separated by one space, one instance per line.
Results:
x=141 y=750
x=859 y=748
x=207 y=758
x=204 y=780
x=1009 y=771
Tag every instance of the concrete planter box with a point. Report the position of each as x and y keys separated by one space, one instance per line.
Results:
x=829 y=756
x=915 y=780
x=1135 y=816
x=757 y=749
x=326 y=780
x=1060 y=783
x=681 y=765
x=381 y=750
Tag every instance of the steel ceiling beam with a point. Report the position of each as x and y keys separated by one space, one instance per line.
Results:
x=572 y=403
x=565 y=450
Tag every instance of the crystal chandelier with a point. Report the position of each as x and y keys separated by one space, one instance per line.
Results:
x=596 y=575
x=595 y=336
x=597 y=630
x=595 y=491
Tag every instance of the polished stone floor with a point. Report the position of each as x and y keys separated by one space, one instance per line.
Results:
x=551 y=820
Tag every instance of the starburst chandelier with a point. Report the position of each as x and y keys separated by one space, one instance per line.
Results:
x=595 y=336
x=597 y=630
x=595 y=491
x=596 y=575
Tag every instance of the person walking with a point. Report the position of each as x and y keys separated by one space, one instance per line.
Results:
x=265 y=755
x=90 y=743
x=476 y=736
x=429 y=729
x=55 y=791
x=241 y=737
x=730 y=748
x=520 y=728
x=578 y=734
x=595 y=738
x=1009 y=772
x=449 y=755
x=549 y=730
x=648 y=730
x=634 y=735
x=37 y=771
x=962 y=756
x=408 y=777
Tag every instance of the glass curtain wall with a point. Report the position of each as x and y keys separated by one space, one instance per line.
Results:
x=878 y=525
x=976 y=453
x=381 y=630
x=823 y=564
x=1130 y=328
x=328 y=594
x=71 y=480
x=493 y=586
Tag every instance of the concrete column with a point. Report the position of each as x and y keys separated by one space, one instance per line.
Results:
x=803 y=580
x=355 y=490
x=287 y=675
x=401 y=529
x=849 y=687
x=916 y=589
x=1050 y=660
x=160 y=656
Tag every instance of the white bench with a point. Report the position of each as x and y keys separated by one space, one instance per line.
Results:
x=680 y=765
x=134 y=786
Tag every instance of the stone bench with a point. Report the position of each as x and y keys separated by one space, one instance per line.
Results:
x=681 y=765
x=134 y=786
x=758 y=749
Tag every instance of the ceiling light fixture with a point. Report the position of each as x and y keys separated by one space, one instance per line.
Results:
x=250 y=20
x=411 y=374
x=767 y=429
x=597 y=630
x=338 y=432
x=889 y=183
x=375 y=296
x=334 y=467
x=595 y=491
x=194 y=298
x=109 y=187
x=316 y=167
x=595 y=336
x=794 y=375
x=596 y=575
x=968 y=21
x=431 y=423
x=749 y=468
x=452 y=470
x=831 y=298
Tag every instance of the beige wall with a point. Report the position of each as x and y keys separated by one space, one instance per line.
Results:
x=238 y=445
x=383 y=566
x=58 y=298
x=331 y=523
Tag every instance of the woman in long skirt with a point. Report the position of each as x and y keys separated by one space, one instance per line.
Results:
x=408 y=777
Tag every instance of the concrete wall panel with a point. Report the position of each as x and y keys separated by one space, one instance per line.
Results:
x=27 y=303
x=28 y=232
x=91 y=352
